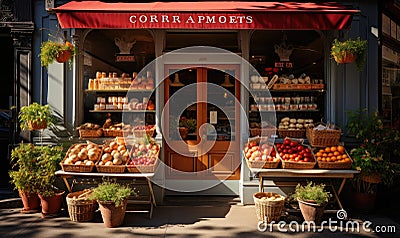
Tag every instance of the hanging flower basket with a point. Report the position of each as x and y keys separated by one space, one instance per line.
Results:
x=63 y=56
x=34 y=125
x=349 y=51
x=346 y=57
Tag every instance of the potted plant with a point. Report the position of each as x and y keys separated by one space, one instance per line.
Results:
x=51 y=51
x=47 y=163
x=23 y=176
x=349 y=51
x=187 y=126
x=312 y=199
x=112 y=198
x=372 y=157
x=35 y=117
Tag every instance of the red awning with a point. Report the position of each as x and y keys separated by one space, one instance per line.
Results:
x=205 y=15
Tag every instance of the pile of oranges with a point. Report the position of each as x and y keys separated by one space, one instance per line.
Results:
x=333 y=154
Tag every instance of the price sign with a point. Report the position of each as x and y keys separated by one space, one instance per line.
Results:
x=284 y=64
x=124 y=58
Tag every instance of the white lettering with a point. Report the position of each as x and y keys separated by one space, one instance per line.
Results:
x=153 y=18
x=249 y=19
x=132 y=19
x=175 y=19
x=222 y=19
x=190 y=18
x=232 y=19
x=201 y=18
x=262 y=226
x=164 y=18
x=294 y=226
x=241 y=18
x=281 y=226
x=143 y=18
x=211 y=19
x=366 y=226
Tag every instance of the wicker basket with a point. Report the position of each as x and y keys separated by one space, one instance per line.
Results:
x=298 y=165
x=118 y=169
x=84 y=133
x=335 y=165
x=80 y=210
x=141 y=133
x=297 y=133
x=323 y=138
x=268 y=210
x=262 y=132
x=113 y=133
x=262 y=164
x=83 y=168
x=142 y=168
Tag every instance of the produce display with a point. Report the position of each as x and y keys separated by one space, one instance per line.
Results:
x=143 y=157
x=295 y=123
x=336 y=154
x=293 y=151
x=260 y=155
x=82 y=154
x=114 y=153
x=141 y=131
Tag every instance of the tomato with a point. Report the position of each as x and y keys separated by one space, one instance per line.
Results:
x=306 y=154
x=307 y=150
x=285 y=151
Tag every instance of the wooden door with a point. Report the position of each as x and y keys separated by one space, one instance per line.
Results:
x=211 y=150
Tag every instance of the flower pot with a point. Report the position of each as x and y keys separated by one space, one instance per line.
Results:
x=52 y=205
x=112 y=216
x=364 y=202
x=311 y=211
x=347 y=57
x=37 y=125
x=30 y=201
x=183 y=131
x=63 y=56
x=372 y=178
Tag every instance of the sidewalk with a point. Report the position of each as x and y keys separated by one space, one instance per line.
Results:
x=179 y=217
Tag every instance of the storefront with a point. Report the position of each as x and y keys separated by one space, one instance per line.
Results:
x=291 y=40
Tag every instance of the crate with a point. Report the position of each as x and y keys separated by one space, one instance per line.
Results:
x=117 y=169
x=142 y=168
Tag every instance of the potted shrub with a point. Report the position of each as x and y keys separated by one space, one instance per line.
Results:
x=47 y=163
x=372 y=157
x=349 y=51
x=35 y=117
x=23 y=176
x=51 y=51
x=187 y=126
x=112 y=198
x=312 y=199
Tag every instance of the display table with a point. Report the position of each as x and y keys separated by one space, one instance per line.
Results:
x=126 y=176
x=324 y=174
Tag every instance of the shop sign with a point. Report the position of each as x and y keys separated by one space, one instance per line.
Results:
x=284 y=64
x=124 y=58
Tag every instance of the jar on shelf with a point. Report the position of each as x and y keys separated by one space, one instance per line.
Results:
x=91 y=84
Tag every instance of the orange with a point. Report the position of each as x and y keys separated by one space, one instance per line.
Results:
x=347 y=160
x=333 y=148
x=318 y=154
x=328 y=149
x=340 y=149
x=330 y=154
x=328 y=159
x=333 y=158
x=319 y=158
x=321 y=150
x=325 y=155
x=344 y=156
x=336 y=153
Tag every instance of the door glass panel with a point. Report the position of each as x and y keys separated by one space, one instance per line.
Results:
x=221 y=105
x=183 y=104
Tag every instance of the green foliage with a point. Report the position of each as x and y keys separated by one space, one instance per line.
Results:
x=112 y=191
x=357 y=47
x=191 y=124
x=312 y=192
x=34 y=167
x=50 y=50
x=35 y=113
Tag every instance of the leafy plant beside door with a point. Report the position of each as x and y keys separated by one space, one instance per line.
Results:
x=349 y=51
x=51 y=51
x=35 y=117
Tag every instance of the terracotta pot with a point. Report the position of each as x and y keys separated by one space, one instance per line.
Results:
x=112 y=216
x=364 y=202
x=37 y=125
x=63 y=56
x=346 y=58
x=311 y=211
x=30 y=201
x=372 y=178
x=52 y=205
x=183 y=131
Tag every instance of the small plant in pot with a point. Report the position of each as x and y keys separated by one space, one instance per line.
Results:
x=23 y=176
x=35 y=117
x=112 y=198
x=349 y=51
x=312 y=199
x=51 y=51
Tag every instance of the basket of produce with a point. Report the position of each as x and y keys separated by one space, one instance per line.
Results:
x=323 y=135
x=81 y=157
x=141 y=131
x=144 y=157
x=269 y=206
x=80 y=207
x=333 y=157
x=293 y=127
x=114 y=158
x=294 y=133
x=295 y=155
x=260 y=155
x=90 y=130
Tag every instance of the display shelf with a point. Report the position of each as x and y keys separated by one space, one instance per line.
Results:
x=119 y=90
x=287 y=111
x=130 y=111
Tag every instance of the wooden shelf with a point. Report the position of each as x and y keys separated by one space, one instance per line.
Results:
x=130 y=111
x=286 y=111
x=119 y=91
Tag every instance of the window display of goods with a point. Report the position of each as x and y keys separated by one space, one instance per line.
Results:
x=115 y=156
x=90 y=130
x=143 y=157
x=81 y=157
x=260 y=155
x=333 y=157
x=295 y=155
x=136 y=104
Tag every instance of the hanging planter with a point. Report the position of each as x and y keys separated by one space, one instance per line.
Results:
x=64 y=56
x=51 y=51
x=350 y=51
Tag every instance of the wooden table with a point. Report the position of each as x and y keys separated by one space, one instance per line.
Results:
x=325 y=174
x=127 y=176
